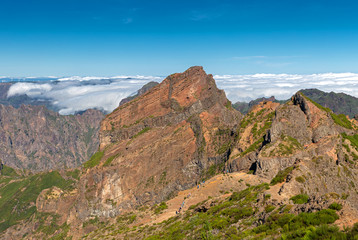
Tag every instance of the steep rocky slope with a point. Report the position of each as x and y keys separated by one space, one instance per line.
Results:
x=162 y=142
x=35 y=138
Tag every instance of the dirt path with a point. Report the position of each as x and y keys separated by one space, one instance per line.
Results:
x=214 y=187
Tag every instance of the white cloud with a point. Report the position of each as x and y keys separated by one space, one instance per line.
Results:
x=73 y=94
x=80 y=93
x=283 y=86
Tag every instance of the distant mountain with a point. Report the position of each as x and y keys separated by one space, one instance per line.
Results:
x=340 y=103
x=35 y=138
x=140 y=92
x=18 y=100
x=244 y=107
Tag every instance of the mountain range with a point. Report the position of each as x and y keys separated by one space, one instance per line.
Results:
x=179 y=162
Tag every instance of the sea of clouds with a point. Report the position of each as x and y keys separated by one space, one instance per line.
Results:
x=73 y=94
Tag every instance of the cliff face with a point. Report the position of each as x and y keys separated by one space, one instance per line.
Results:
x=161 y=142
x=35 y=138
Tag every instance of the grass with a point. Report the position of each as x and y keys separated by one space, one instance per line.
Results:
x=281 y=175
x=341 y=120
x=75 y=174
x=8 y=171
x=94 y=160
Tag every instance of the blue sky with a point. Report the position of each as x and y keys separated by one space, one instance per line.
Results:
x=111 y=37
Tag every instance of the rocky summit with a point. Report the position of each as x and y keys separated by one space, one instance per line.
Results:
x=179 y=162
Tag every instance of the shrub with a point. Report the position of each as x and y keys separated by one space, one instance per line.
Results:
x=335 y=206
x=281 y=176
x=269 y=208
x=300 y=199
x=159 y=209
x=300 y=179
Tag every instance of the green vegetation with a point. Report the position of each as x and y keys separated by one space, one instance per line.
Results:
x=253 y=147
x=341 y=120
x=94 y=160
x=109 y=160
x=281 y=175
x=8 y=171
x=212 y=171
x=269 y=208
x=144 y=130
x=228 y=105
x=300 y=179
x=159 y=209
x=75 y=174
x=19 y=194
x=317 y=104
x=335 y=206
x=352 y=138
x=287 y=146
x=224 y=148
x=300 y=199
x=236 y=218
x=338 y=102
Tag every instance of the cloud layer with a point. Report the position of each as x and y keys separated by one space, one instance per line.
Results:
x=283 y=86
x=77 y=94
x=74 y=94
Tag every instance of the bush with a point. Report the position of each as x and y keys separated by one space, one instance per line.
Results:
x=159 y=209
x=300 y=199
x=281 y=176
x=269 y=208
x=300 y=179
x=335 y=206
